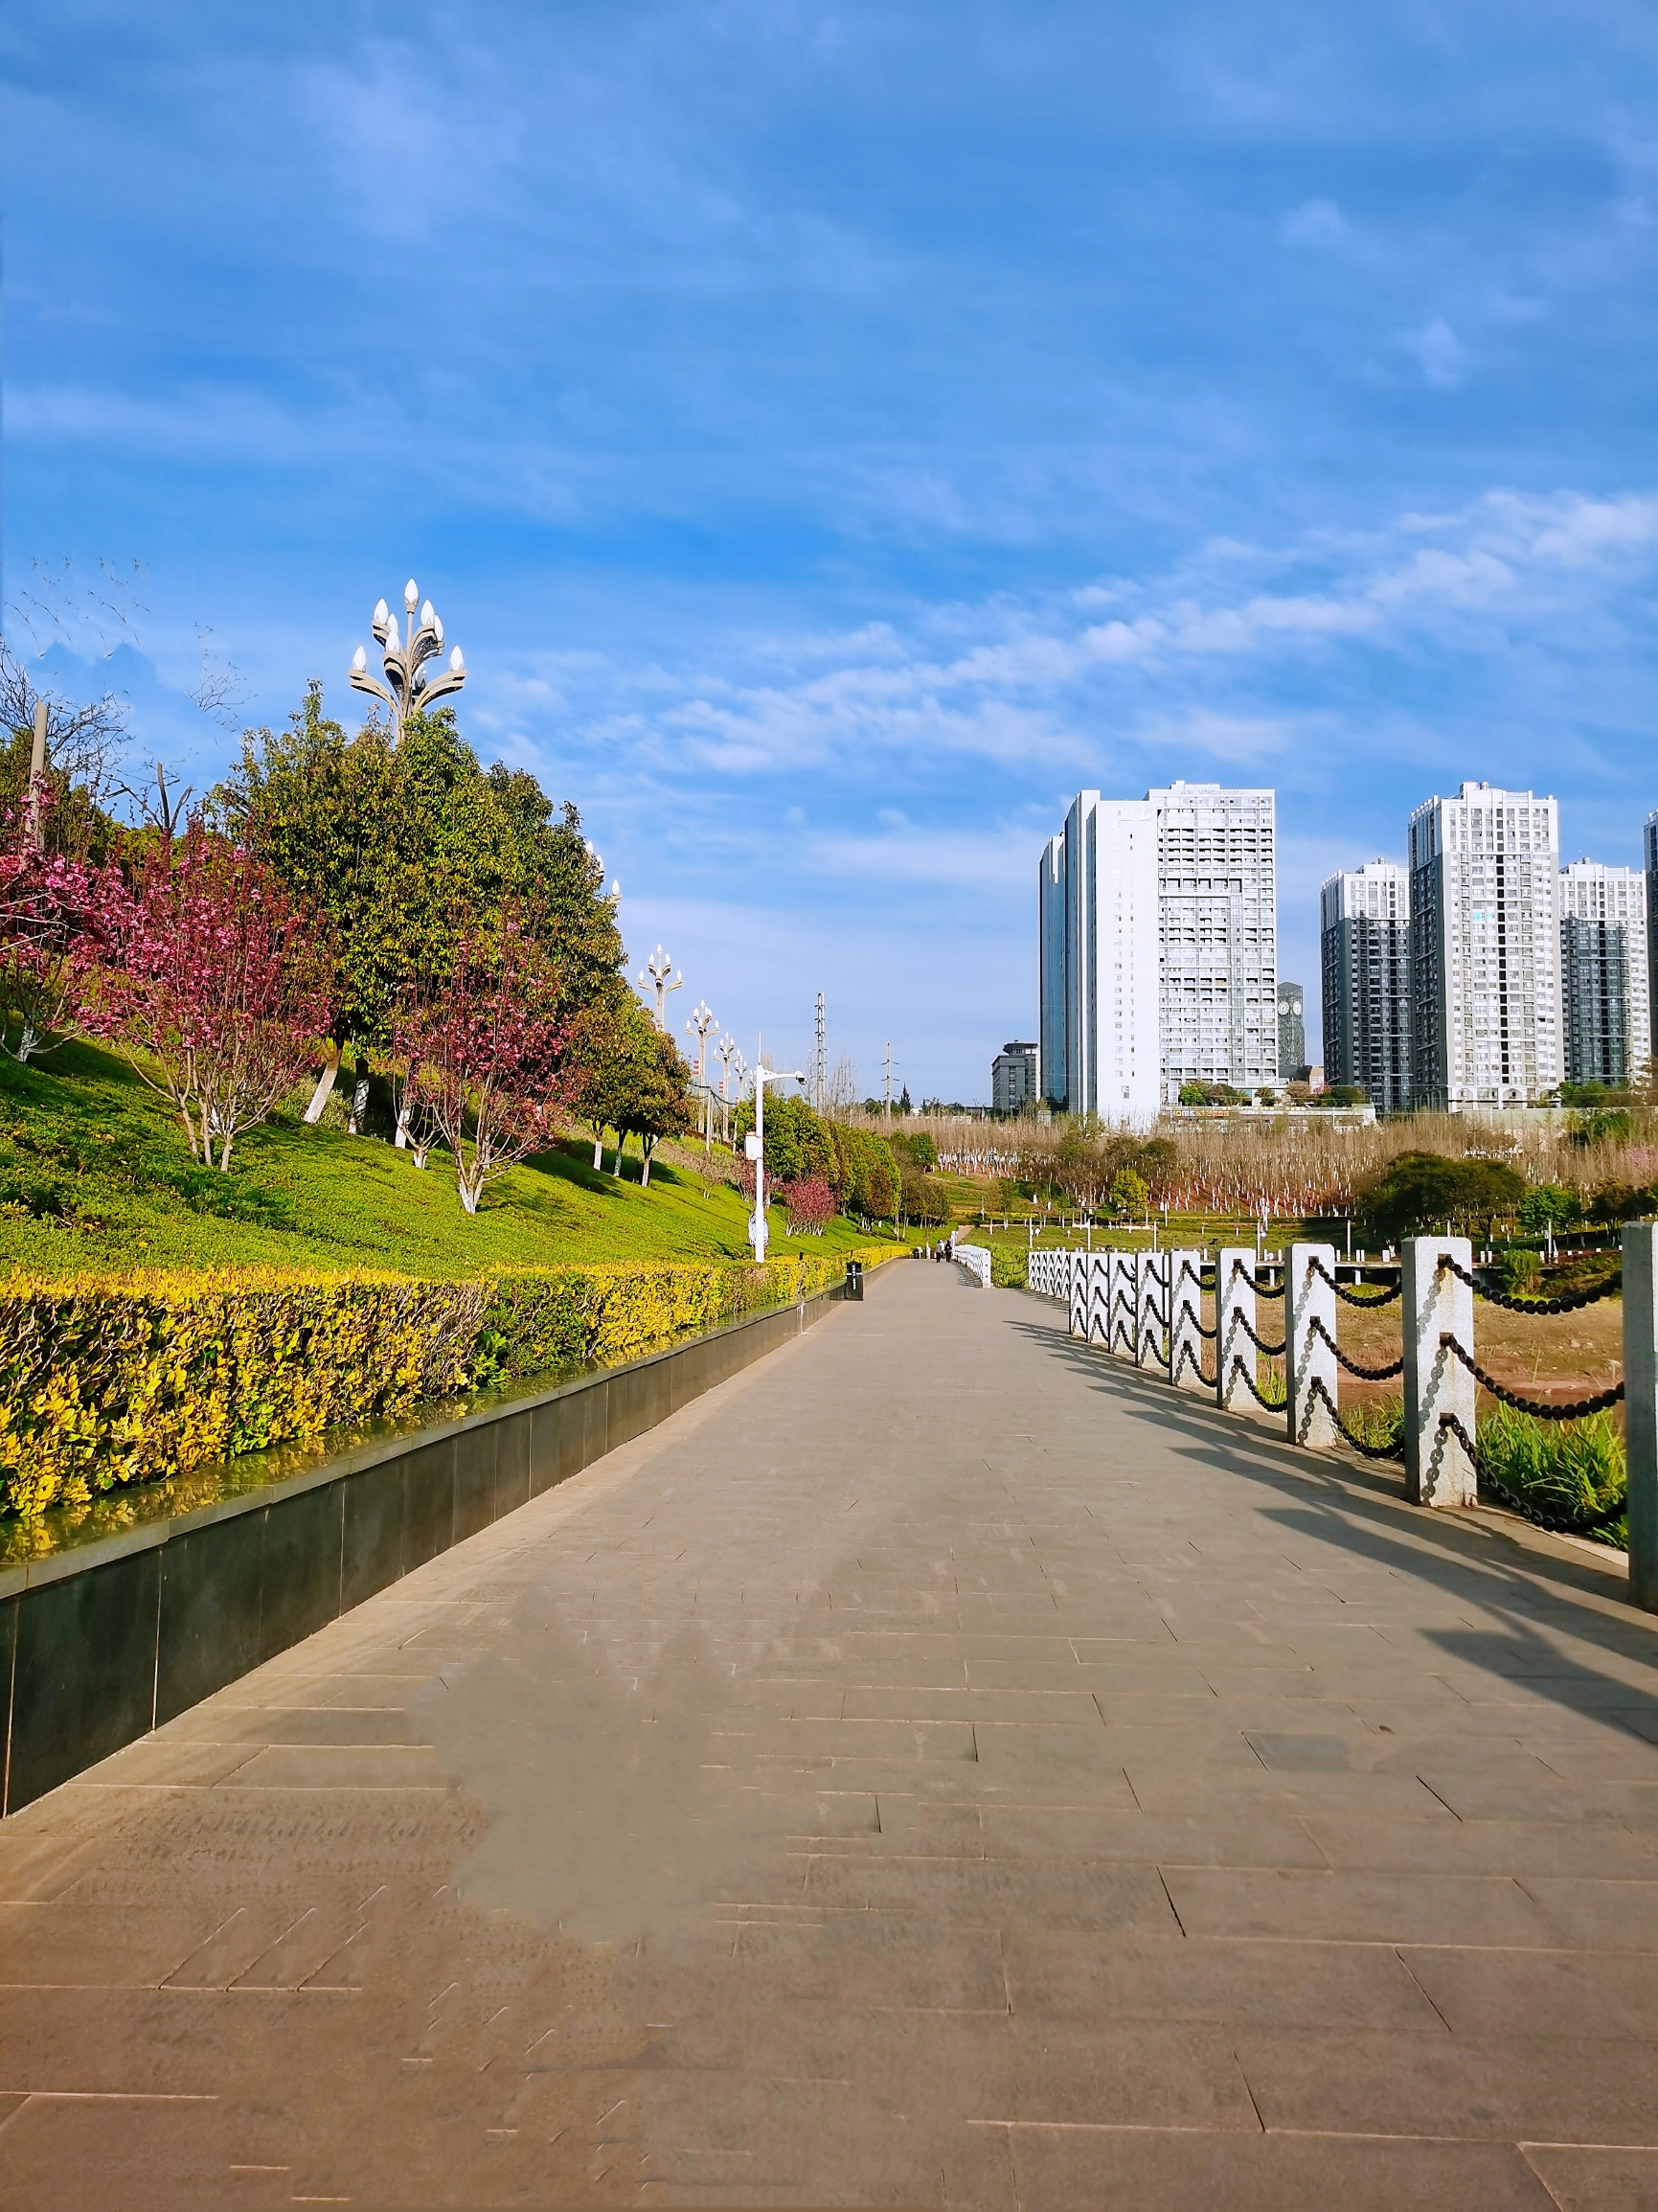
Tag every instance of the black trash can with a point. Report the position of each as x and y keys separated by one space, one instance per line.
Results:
x=854 y=1285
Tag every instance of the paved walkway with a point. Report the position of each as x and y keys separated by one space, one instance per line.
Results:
x=935 y=1768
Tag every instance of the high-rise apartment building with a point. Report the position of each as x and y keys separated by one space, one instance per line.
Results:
x=1292 y=1031
x=1649 y=862
x=1364 y=973
x=1485 y=949
x=1169 y=948
x=1603 y=972
x=1051 y=989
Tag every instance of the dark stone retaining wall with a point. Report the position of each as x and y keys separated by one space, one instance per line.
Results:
x=101 y=1641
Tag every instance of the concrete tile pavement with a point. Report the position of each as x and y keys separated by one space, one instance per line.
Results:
x=937 y=1767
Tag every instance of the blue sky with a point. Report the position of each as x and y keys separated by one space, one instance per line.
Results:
x=835 y=434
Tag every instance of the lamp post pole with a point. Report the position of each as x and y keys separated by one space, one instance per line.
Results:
x=757 y=1230
x=724 y=1051
x=703 y=1022
x=658 y=969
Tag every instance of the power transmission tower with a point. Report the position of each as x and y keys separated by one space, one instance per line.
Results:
x=818 y=1085
x=889 y=1084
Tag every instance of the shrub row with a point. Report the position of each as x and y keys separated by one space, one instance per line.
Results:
x=105 y=1383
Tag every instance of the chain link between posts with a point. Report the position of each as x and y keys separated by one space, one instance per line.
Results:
x=1272 y=1350
x=1540 y=1409
x=1316 y=1328
x=1569 y=1302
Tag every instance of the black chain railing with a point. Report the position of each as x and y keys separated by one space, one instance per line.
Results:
x=1540 y=1409
x=1272 y=1404
x=1187 y=1313
x=1316 y=1328
x=1189 y=1358
x=1557 y=1525
x=1569 y=1302
x=1352 y=1297
x=1272 y=1350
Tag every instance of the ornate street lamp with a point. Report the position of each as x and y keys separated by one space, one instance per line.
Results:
x=657 y=970
x=701 y=1022
x=408 y=690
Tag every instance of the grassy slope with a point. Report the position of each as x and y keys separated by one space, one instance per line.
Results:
x=95 y=1176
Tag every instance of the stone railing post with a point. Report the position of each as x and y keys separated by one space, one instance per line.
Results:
x=1641 y=1407
x=1186 y=1313
x=1075 y=1296
x=1309 y=1358
x=1234 y=1306
x=1153 y=1301
x=1436 y=1302
x=1099 y=1267
x=1121 y=1301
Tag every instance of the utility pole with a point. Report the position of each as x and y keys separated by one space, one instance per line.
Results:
x=818 y=1086
x=889 y=1086
x=34 y=810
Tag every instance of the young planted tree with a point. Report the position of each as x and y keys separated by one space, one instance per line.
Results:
x=222 y=990
x=658 y=1102
x=605 y=1041
x=485 y=1054
x=811 y=1204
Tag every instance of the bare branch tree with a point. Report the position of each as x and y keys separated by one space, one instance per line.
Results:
x=82 y=742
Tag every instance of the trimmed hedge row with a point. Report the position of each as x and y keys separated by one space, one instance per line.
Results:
x=107 y=1383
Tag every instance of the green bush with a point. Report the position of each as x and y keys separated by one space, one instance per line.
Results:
x=1007 y=1266
x=104 y=1383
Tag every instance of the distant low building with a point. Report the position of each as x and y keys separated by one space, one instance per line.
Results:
x=1014 y=1080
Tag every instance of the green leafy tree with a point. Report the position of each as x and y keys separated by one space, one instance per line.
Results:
x=658 y=1102
x=1547 y=1206
x=1130 y=1193
x=610 y=1048
x=1418 y=1191
x=408 y=853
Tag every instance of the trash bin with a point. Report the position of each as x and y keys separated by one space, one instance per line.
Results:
x=854 y=1285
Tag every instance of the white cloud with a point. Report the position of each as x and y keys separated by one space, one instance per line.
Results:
x=1317 y=222
x=1438 y=354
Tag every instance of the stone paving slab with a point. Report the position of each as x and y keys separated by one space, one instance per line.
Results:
x=938 y=1767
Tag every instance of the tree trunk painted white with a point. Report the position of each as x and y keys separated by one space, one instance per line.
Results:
x=325 y=1085
x=359 y=1107
x=405 y=1115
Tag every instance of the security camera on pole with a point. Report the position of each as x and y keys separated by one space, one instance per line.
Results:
x=755 y=1145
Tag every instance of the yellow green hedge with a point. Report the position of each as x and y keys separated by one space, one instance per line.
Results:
x=104 y=1383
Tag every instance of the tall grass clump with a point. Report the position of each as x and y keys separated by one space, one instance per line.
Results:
x=1565 y=1469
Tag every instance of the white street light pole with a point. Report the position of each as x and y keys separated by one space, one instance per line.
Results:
x=755 y=1147
x=703 y=1022
x=658 y=969
x=724 y=1052
x=408 y=690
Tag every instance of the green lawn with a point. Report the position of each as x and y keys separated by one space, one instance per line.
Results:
x=95 y=1176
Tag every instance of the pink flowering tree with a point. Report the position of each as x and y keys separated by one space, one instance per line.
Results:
x=486 y=1060
x=811 y=1204
x=222 y=990
x=60 y=922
